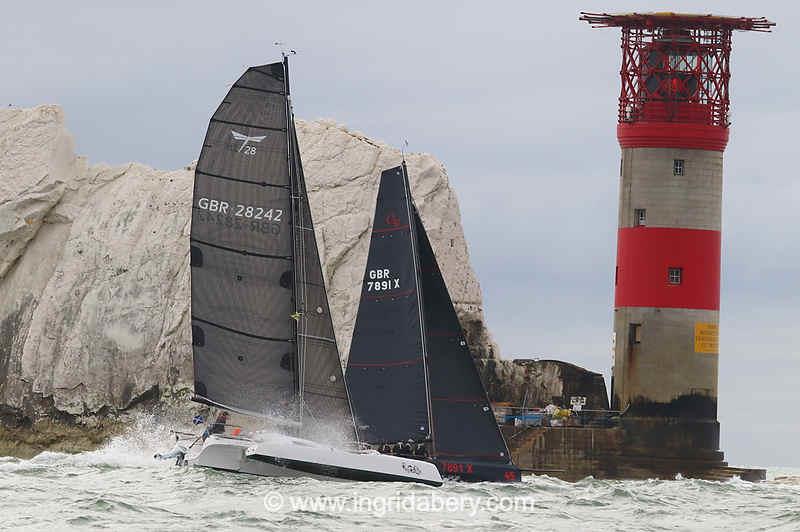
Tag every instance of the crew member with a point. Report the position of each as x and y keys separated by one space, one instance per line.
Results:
x=218 y=427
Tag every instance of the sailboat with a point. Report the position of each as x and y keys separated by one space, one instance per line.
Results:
x=262 y=337
x=414 y=386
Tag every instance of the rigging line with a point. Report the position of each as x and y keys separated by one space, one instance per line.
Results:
x=304 y=288
x=415 y=260
x=301 y=208
x=310 y=412
x=322 y=338
x=299 y=185
x=293 y=214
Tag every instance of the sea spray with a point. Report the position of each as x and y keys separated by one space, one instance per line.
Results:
x=119 y=486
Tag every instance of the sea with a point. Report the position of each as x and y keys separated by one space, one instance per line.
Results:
x=121 y=487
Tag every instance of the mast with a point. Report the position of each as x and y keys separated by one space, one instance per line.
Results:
x=420 y=306
x=298 y=286
x=321 y=388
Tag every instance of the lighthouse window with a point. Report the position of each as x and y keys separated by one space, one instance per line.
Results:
x=640 y=217
x=677 y=167
x=635 y=333
x=675 y=275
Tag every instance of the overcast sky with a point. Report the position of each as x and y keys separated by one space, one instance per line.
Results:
x=518 y=100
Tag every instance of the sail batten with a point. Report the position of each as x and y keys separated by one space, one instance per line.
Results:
x=254 y=126
x=250 y=181
x=229 y=329
x=238 y=86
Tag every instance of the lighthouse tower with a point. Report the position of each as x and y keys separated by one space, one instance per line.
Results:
x=673 y=128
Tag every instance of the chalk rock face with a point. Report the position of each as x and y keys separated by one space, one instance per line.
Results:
x=94 y=276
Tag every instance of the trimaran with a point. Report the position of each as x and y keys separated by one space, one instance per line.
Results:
x=262 y=336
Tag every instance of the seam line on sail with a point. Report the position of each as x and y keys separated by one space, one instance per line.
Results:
x=459 y=399
x=240 y=251
x=238 y=180
x=320 y=394
x=201 y=320
x=392 y=294
x=387 y=364
x=310 y=283
x=242 y=124
x=443 y=334
x=269 y=75
x=440 y=454
x=259 y=90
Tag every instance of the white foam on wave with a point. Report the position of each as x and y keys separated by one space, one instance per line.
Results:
x=135 y=447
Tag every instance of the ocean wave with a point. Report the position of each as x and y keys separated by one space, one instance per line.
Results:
x=120 y=486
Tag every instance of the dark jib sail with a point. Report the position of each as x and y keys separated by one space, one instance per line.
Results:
x=252 y=252
x=467 y=440
x=386 y=366
x=406 y=309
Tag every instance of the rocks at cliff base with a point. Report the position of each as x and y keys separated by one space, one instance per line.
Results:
x=538 y=383
x=94 y=277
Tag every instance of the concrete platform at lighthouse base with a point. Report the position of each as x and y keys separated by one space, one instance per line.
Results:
x=573 y=453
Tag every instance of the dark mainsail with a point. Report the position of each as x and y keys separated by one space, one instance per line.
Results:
x=262 y=336
x=386 y=370
x=440 y=382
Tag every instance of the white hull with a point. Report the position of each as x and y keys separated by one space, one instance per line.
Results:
x=283 y=456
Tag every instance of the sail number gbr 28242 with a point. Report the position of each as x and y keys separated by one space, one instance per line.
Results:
x=240 y=210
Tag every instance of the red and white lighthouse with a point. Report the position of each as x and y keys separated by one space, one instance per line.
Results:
x=673 y=130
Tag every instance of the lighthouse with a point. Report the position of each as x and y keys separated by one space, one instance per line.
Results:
x=673 y=127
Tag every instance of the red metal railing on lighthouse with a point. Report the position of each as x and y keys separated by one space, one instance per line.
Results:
x=675 y=74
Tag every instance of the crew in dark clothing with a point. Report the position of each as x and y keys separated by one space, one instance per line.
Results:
x=218 y=427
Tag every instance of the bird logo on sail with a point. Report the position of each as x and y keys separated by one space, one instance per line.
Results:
x=246 y=140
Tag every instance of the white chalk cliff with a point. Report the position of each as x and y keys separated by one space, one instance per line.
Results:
x=94 y=276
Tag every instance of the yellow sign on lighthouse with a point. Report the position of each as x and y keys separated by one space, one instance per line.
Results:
x=706 y=338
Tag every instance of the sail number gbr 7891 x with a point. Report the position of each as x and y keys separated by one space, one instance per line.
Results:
x=381 y=279
x=233 y=214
